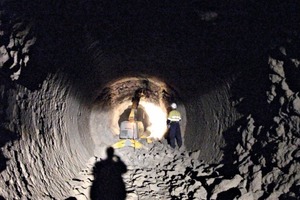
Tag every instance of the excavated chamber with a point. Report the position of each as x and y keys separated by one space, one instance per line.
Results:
x=61 y=99
x=114 y=104
x=62 y=125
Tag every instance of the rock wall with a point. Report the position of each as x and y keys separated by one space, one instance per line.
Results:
x=266 y=151
x=40 y=163
x=209 y=117
x=16 y=39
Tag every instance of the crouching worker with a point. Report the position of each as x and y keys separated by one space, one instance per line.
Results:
x=174 y=117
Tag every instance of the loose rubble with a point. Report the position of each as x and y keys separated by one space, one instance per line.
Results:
x=157 y=172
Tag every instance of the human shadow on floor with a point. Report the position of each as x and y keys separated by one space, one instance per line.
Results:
x=108 y=182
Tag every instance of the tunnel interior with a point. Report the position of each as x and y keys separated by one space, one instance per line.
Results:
x=113 y=106
x=69 y=72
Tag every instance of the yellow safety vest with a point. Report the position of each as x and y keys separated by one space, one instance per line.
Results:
x=174 y=116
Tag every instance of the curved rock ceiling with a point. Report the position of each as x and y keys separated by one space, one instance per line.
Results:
x=68 y=71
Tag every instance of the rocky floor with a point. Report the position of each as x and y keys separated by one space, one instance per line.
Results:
x=159 y=172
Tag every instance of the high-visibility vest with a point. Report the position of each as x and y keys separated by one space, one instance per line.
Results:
x=174 y=116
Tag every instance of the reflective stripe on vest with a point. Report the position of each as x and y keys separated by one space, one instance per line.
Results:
x=174 y=116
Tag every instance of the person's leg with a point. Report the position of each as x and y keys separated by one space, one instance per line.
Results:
x=178 y=135
x=172 y=133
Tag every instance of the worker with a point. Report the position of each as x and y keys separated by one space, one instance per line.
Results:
x=174 y=117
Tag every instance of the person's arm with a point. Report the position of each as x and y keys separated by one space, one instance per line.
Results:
x=168 y=123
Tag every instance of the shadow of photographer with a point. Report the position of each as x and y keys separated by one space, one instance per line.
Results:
x=108 y=182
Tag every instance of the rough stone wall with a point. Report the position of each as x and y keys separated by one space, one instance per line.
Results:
x=40 y=163
x=16 y=40
x=267 y=154
x=208 y=117
x=40 y=133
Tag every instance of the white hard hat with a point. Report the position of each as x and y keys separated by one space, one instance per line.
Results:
x=173 y=105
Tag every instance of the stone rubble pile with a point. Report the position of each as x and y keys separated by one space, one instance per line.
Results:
x=164 y=173
x=268 y=155
x=159 y=172
x=269 y=166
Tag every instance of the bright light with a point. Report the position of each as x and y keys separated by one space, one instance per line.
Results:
x=157 y=119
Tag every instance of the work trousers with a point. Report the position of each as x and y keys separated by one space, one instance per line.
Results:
x=175 y=134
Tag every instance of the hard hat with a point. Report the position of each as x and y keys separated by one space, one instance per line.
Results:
x=173 y=105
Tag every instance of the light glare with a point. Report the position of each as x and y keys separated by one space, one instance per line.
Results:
x=157 y=119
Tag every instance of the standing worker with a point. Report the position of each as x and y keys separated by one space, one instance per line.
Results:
x=174 y=118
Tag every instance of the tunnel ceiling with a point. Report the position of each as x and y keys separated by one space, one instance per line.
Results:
x=145 y=37
x=125 y=89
